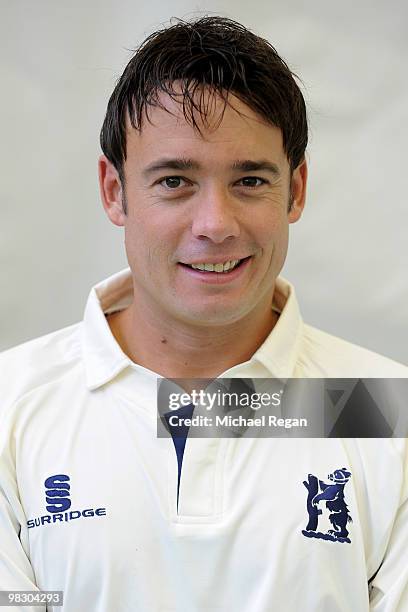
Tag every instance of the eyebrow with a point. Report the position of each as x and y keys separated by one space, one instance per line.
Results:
x=249 y=165
x=181 y=163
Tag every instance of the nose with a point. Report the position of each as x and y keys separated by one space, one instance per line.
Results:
x=215 y=216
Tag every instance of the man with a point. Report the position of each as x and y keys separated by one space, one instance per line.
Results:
x=204 y=166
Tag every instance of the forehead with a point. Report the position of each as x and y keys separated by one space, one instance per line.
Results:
x=231 y=131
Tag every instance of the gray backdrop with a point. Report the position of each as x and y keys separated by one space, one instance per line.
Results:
x=347 y=256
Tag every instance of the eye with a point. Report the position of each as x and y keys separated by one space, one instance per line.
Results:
x=250 y=181
x=171 y=182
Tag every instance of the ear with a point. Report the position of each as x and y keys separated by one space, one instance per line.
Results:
x=298 y=192
x=111 y=191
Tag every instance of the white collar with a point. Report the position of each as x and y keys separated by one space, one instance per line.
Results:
x=104 y=358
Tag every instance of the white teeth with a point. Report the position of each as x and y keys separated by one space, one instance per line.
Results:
x=218 y=267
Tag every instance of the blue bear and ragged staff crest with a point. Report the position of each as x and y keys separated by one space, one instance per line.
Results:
x=333 y=495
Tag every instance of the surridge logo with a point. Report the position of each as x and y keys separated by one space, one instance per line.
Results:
x=57 y=498
x=57 y=493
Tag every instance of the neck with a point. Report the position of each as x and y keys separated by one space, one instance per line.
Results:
x=178 y=350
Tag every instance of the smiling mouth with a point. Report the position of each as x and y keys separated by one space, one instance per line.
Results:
x=218 y=268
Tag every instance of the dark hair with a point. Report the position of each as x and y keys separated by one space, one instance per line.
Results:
x=215 y=52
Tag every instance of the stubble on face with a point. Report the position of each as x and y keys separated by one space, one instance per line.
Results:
x=163 y=229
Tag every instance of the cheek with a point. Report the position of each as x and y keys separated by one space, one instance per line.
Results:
x=137 y=248
x=133 y=241
x=274 y=244
x=273 y=235
x=147 y=244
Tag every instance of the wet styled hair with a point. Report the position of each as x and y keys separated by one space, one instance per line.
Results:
x=215 y=53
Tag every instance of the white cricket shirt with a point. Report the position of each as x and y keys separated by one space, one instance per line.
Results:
x=88 y=493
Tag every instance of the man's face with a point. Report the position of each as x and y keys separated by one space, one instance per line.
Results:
x=195 y=200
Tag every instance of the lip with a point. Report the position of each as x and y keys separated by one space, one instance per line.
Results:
x=217 y=278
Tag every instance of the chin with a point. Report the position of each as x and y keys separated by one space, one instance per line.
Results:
x=209 y=317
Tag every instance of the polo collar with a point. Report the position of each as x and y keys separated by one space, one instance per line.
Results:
x=279 y=352
x=102 y=355
x=104 y=359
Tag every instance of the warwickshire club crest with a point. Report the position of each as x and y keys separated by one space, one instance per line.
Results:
x=333 y=495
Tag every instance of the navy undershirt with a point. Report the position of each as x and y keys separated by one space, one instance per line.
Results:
x=179 y=436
